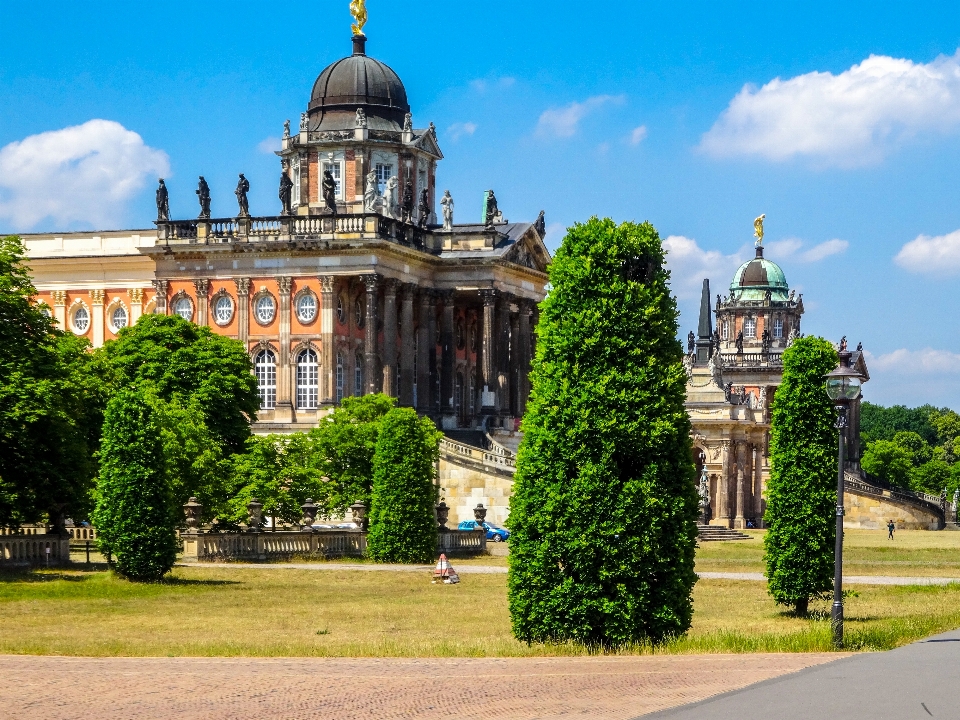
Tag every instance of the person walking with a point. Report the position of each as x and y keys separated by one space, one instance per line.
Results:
x=890 y=528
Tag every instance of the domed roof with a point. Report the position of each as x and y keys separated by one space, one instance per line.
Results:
x=754 y=278
x=358 y=81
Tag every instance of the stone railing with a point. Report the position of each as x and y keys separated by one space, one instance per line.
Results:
x=83 y=534
x=24 y=530
x=490 y=458
x=35 y=549
x=931 y=503
x=752 y=359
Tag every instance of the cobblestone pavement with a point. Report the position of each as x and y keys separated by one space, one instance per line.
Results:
x=55 y=688
x=500 y=570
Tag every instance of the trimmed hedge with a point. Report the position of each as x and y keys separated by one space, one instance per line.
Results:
x=604 y=506
x=403 y=525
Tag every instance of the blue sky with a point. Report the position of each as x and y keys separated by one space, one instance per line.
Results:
x=841 y=124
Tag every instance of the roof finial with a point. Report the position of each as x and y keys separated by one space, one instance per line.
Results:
x=358 y=8
x=758 y=230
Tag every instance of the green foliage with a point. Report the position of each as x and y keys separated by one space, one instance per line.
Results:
x=190 y=364
x=880 y=423
x=604 y=505
x=276 y=470
x=801 y=493
x=135 y=514
x=343 y=446
x=889 y=461
x=932 y=477
x=403 y=525
x=50 y=405
x=920 y=451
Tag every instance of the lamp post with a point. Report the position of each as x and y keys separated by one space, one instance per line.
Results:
x=843 y=387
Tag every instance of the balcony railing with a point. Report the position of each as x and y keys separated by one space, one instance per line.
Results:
x=752 y=359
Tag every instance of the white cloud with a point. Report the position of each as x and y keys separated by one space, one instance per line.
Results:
x=689 y=264
x=638 y=135
x=915 y=362
x=494 y=84
x=564 y=122
x=84 y=173
x=938 y=255
x=458 y=130
x=853 y=118
x=268 y=146
x=790 y=248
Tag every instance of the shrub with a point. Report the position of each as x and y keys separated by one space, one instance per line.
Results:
x=135 y=517
x=403 y=526
x=802 y=491
x=603 y=513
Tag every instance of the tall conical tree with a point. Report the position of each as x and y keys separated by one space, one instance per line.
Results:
x=802 y=491
x=604 y=506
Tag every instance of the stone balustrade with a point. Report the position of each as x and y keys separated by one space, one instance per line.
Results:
x=493 y=458
x=35 y=549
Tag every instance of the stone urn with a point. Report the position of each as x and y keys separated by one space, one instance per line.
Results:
x=255 y=509
x=309 y=509
x=359 y=511
x=480 y=513
x=192 y=510
x=443 y=514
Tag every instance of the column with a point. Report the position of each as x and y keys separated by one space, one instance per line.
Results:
x=96 y=298
x=424 y=376
x=161 y=288
x=327 y=361
x=526 y=312
x=136 y=304
x=390 y=337
x=757 y=486
x=723 y=486
x=449 y=420
x=201 y=286
x=284 y=379
x=432 y=351
x=407 y=346
x=515 y=365
x=60 y=308
x=488 y=381
x=243 y=309
x=503 y=355
x=371 y=373
x=741 y=454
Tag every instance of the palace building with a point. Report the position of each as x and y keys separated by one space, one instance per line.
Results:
x=351 y=287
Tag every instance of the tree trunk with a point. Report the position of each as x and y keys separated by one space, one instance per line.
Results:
x=802 y=607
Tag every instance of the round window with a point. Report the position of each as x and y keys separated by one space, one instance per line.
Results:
x=81 y=319
x=341 y=314
x=184 y=308
x=306 y=307
x=265 y=309
x=119 y=318
x=223 y=310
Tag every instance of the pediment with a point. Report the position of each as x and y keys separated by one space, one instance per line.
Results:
x=428 y=143
x=529 y=251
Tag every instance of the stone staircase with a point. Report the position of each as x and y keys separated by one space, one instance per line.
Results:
x=710 y=533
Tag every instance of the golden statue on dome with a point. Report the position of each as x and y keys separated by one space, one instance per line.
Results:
x=358 y=8
x=758 y=229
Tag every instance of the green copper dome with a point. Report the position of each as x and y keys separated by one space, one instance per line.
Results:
x=754 y=278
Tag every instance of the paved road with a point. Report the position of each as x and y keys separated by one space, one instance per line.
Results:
x=916 y=681
x=612 y=688
x=499 y=569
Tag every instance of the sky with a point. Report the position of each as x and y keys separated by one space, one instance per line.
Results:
x=839 y=121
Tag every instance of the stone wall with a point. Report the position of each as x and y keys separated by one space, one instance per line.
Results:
x=464 y=483
x=873 y=512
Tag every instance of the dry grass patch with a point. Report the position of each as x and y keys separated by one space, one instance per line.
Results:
x=253 y=612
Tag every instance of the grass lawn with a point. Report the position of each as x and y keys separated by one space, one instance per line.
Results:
x=253 y=612
x=865 y=552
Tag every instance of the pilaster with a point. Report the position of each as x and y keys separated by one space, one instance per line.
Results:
x=407 y=345
x=202 y=286
x=372 y=370
x=60 y=308
x=243 y=310
x=390 y=337
x=284 y=410
x=526 y=312
x=161 y=287
x=502 y=334
x=136 y=304
x=96 y=311
x=488 y=382
x=449 y=419
x=424 y=375
x=327 y=362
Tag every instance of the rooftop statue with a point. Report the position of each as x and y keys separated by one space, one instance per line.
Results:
x=361 y=118
x=304 y=122
x=758 y=229
x=446 y=203
x=843 y=344
x=163 y=202
x=286 y=129
x=406 y=205
x=541 y=225
x=408 y=123
x=691 y=342
x=286 y=191
x=390 y=197
x=243 y=187
x=492 y=209
x=330 y=191
x=358 y=8
x=203 y=195
x=371 y=194
x=424 y=207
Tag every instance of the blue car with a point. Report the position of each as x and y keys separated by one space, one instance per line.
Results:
x=495 y=533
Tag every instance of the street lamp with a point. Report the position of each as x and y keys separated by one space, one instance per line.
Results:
x=843 y=387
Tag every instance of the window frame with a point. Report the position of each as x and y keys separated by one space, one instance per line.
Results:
x=301 y=297
x=178 y=302
x=86 y=321
x=265 y=369
x=113 y=318
x=217 y=303
x=308 y=379
x=339 y=377
x=256 y=308
x=750 y=328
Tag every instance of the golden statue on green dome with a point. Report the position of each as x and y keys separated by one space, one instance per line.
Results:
x=358 y=8
x=758 y=229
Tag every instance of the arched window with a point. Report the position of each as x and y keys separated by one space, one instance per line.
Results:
x=184 y=308
x=223 y=310
x=308 y=380
x=339 y=377
x=777 y=328
x=358 y=376
x=750 y=328
x=118 y=319
x=724 y=330
x=81 y=319
x=265 y=366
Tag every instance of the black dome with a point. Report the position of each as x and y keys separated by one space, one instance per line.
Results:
x=358 y=81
